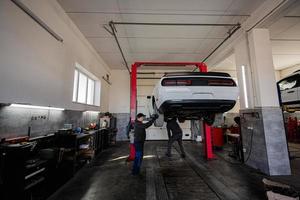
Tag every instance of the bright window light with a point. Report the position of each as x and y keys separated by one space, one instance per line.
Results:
x=35 y=107
x=97 y=93
x=86 y=88
x=75 y=85
x=82 y=88
x=245 y=86
x=90 y=92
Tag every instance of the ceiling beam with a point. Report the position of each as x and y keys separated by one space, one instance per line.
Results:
x=158 y=38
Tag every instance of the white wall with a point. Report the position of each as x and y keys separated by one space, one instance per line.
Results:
x=119 y=96
x=277 y=75
x=36 y=68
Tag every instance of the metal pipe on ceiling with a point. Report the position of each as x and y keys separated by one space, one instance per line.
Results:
x=37 y=19
x=170 y=24
x=267 y=15
x=113 y=30
x=292 y=16
x=286 y=39
x=113 y=33
x=256 y=24
x=215 y=49
x=159 y=13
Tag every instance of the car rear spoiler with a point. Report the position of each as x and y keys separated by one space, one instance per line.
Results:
x=221 y=74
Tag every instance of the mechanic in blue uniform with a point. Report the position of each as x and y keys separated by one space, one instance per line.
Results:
x=139 y=140
x=174 y=134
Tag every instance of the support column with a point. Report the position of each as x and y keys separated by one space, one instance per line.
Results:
x=242 y=60
x=263 y=133
x=261 y=59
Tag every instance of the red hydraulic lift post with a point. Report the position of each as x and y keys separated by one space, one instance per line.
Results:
x=133 y=97
x=133 y=92
x=206 y=129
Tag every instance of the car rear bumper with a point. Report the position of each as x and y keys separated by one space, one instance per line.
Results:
x=196 y=105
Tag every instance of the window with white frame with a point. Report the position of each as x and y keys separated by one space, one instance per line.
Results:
x=86 y=89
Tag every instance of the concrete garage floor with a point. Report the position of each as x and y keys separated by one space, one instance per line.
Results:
x=293 y=180
x=108 y=177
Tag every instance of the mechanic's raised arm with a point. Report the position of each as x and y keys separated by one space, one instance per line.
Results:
x=153 y=118
x=145 y=125
x=148 y=124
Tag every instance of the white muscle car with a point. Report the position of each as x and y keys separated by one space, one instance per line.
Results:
x=193 y=95
x=289 y=90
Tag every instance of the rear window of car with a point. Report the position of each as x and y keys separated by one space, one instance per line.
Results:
x=289 y=83
x=198 y=81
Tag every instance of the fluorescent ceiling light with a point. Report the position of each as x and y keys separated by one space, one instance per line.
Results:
x=35 y=107
x=91 y=111
x=245 y=86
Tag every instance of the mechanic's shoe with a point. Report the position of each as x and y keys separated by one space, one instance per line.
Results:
x=183 y=155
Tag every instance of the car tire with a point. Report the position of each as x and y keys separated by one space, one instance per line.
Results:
x=209 y=119
x=159 y=122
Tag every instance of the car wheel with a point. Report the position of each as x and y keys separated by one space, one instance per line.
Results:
x=209 y=119
x=159 y=122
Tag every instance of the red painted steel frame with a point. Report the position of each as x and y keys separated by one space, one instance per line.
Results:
x=208 y=149
x=133 y=96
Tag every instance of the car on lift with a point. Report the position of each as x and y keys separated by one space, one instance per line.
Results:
x=193 y=95
x=289 y=90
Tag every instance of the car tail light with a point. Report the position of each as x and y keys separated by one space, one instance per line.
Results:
x=174 y=82
x=169 y=83
x=199 y=81
x=184 y=82
x=221 y=82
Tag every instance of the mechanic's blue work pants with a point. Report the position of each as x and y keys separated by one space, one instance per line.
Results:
x=139 y=151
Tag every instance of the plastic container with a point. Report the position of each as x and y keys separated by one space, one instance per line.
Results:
x=217 y=137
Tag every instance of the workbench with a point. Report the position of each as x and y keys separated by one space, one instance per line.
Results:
x=46 y=161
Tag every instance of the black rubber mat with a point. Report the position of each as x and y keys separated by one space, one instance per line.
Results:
x=180 y=180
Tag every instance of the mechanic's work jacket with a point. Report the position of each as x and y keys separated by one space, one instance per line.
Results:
x=173 y=126
x=140 y=130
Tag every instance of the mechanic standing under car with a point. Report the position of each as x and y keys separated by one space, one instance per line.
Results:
x=174 y=128
x=139 y=140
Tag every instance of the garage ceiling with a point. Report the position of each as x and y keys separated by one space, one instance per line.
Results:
x=285 y=36
x=285 y=39
x=156 y=43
